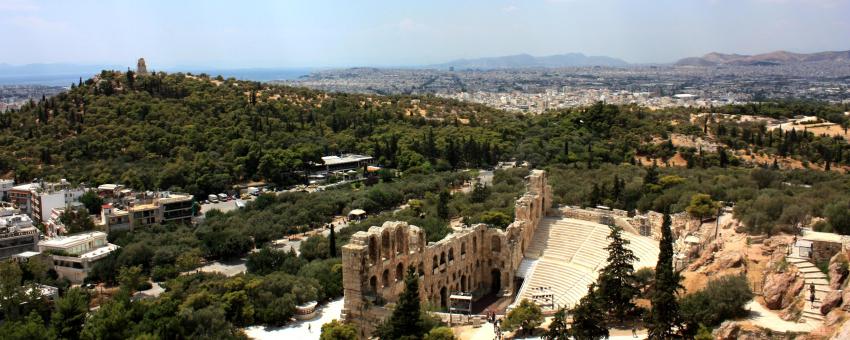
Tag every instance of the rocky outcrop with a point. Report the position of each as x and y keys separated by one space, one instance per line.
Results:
x=832 y=300
x=837 y=271
x=845 y=300
x=729 y=260
x=706 y=258
x=781 y=288
x=843 y=332
x=728 y=330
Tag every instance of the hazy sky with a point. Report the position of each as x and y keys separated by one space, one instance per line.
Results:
x=386 y=33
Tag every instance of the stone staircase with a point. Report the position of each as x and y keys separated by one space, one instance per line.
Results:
x=811 y=274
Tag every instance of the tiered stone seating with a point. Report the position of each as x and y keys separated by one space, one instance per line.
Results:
x=569 y=251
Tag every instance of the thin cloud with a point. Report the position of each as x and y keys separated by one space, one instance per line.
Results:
x=32 y=22
x=509 y=8
x=17 y=6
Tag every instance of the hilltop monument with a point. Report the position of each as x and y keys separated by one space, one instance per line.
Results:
x=141 y=68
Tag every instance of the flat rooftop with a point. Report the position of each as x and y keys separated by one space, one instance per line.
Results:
x=66 y=241
x=344 y=159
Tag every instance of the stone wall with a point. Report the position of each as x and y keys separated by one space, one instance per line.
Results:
x=647 y=224
x=822 y=251
x=475 y=259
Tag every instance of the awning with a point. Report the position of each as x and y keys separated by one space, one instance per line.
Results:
x=357 y=212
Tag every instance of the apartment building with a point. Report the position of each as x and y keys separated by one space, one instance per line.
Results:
x=147 y=209
x=38 y=199
x=6 y=185
x=17 y=233
x=113 y=218
x=21 y=197
x=48 y=196
x=75 y=255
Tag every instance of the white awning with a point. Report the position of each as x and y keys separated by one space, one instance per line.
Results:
x=357 y=212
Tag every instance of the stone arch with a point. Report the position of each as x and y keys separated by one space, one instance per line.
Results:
x=400 y=241
x=374 y=252
x=463 y=282
x=442 y=258
x=399 y=272
x=444 y=297
x=373 y=284
x=495 y=243
x=474 y=243
x=495 y=281
x=462 y=249
x=385 y=278
x=386 y=248
x=451 y=254
x=435 y=262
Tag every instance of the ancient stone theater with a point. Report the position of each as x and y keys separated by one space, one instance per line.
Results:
x=558 y=251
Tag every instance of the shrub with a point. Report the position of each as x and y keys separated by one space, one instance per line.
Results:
x=722 y=299
x=526 y=316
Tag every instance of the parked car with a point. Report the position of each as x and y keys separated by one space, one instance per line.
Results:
x=223 y=198
x=213 y=198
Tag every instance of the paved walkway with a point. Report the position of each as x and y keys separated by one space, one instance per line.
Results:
x=811 y=275
x=765 y=318
x=300 y=330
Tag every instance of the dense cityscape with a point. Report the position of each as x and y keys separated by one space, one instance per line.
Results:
x=537 y=90
x=549 y=170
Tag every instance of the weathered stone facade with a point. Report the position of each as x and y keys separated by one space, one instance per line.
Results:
x=474 y=259
x=647 y=224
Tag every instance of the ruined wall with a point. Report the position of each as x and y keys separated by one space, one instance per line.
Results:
x=647 y=224
x=475 y=259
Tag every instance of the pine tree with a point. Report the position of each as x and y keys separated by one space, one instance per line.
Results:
x=588 y=317
x=664 y=315
x=558 y=328
x=406 y=319
x=617 y=279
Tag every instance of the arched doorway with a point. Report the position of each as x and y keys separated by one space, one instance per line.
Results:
x=463 y=283
x=444 y=298
x=496 y=281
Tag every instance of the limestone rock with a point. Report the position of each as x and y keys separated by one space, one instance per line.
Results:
x=845 y=300
x=780 y=289
x=729 y=260
x=830 y=301
x=834 y=318
x=843 y=332
x=837 y=271
x=728 y=330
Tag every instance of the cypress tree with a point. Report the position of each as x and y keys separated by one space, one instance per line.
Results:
x=588 y=317
x=332 y=241
x=443 y=205
x=558 y=329
x=664 y=315
x=617 y=283
x=406 y=320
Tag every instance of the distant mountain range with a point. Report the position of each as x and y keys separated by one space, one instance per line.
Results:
x=530 y=61
x=772 y=58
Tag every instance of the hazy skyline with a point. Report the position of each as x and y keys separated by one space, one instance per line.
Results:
x=390 y=33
